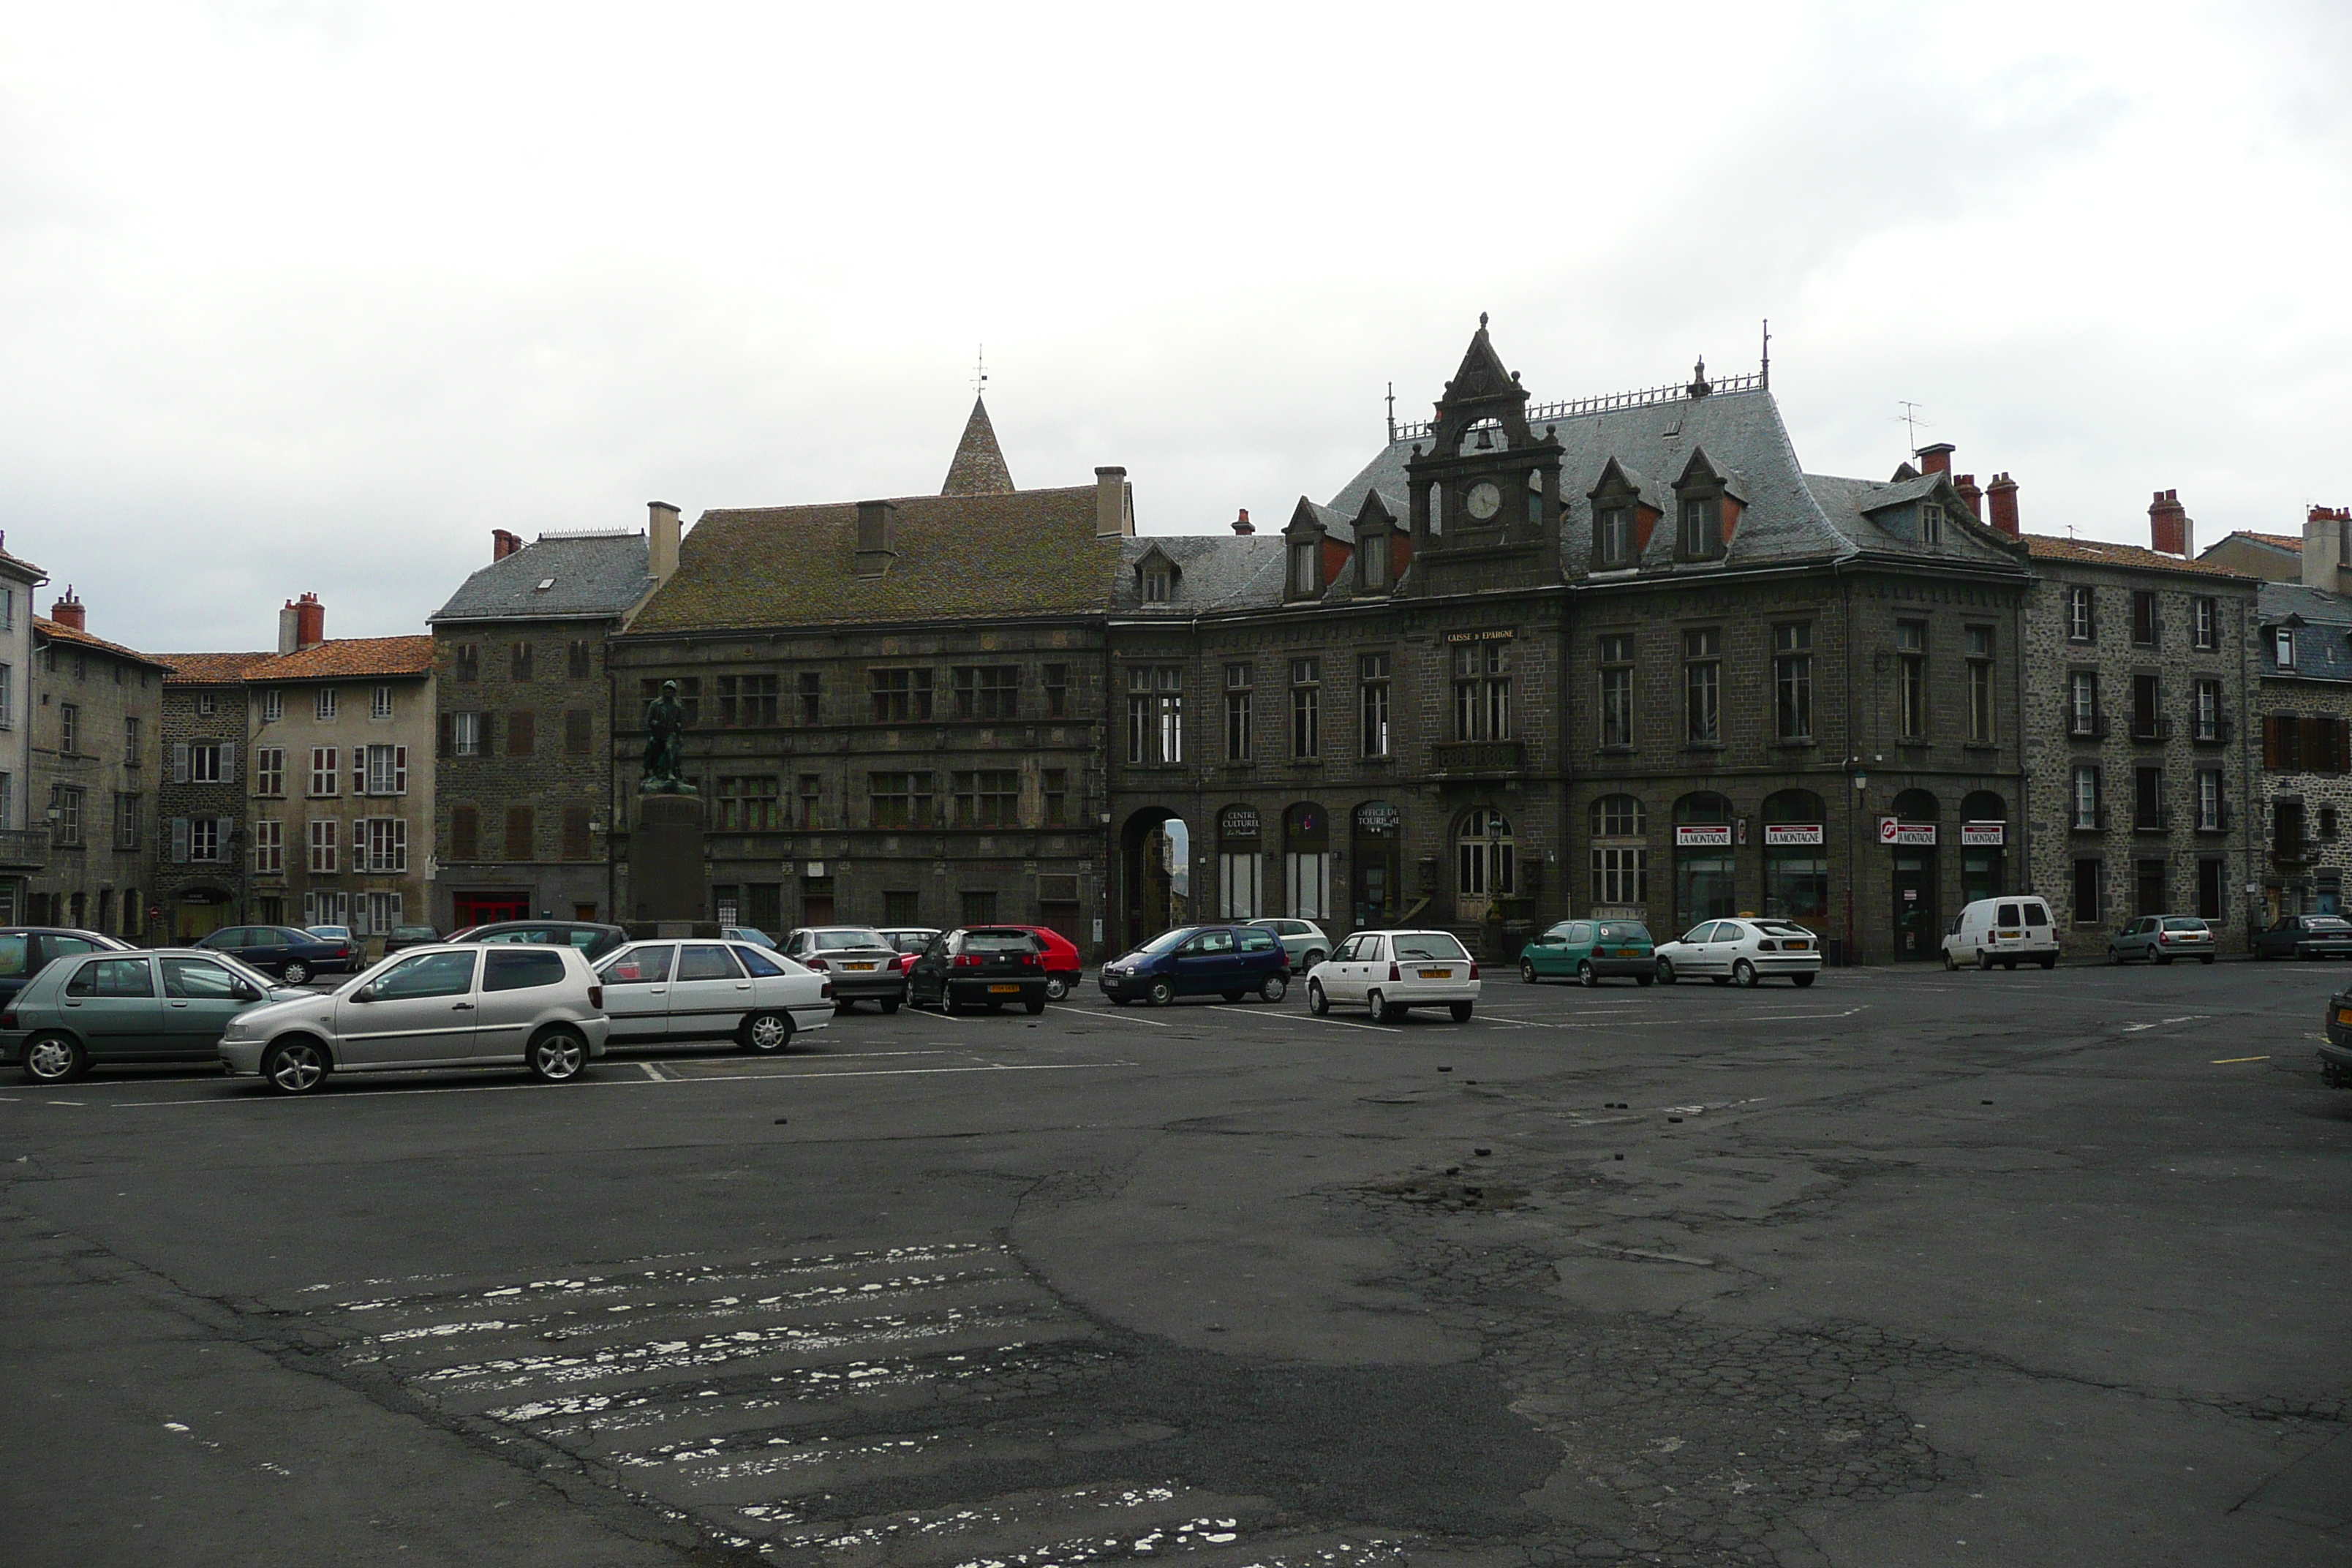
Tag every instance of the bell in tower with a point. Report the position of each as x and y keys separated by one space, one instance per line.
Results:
x=1486 y=480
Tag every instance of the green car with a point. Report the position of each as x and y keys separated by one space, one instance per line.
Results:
x=1592 y=951
x=113 y=1008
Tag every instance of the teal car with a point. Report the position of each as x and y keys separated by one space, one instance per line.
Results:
x=115 y=1008
x=1590 y=951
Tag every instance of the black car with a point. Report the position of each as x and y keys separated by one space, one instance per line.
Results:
x=408 y=936
x=981 y=967
x=291 y=955
x=2306 y=936
x=25 y=951
x=2335 y=1052
x=858 y=959
x=1230 y=962
x=593 y=940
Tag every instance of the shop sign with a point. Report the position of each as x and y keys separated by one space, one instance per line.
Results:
x=1792 y=833
x=1703 y=836
x=1504 y=635
x=1983 y=835
x=1893 y=831
x=1237 y=822
x=1376 y=817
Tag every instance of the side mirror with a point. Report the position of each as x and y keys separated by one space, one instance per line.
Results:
x=244 y=993
x=364 y=993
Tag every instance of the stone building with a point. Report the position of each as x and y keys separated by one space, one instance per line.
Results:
x=96 y=722
x=24 y=838
x=525 y=730
x=2138 y=737
x=200 y=804
x=2303 y=703
x=896 y=707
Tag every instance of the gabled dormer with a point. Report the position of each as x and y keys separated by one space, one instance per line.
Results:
x=1483 y=479
x=1303 y=573
x=1156 y=577
x=1383 y=548
x=1709 y=502
x=1623 y=517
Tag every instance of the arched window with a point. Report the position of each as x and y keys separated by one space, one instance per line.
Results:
x=1241 y=863
x=1917 y=805
x=1306 y=862
x=1484 y=863
x=1705 y=859
x=1984 y=846
x=1796 y=856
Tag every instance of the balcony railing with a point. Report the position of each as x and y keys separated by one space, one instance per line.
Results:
x=23 y=848
x=2150 y=727
x=1478 y=759
x=2215 y=734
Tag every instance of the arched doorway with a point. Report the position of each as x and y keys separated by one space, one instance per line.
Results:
x=1306 y=862
x=1984 y=846
x=1241 y=863
x=1376 y=845
x=1486 y=864
x=1155 y=853
x=1911 y=834
x=1705 y=862
x=1795 y=858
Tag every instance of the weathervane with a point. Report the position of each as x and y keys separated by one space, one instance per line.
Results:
x=980 y=370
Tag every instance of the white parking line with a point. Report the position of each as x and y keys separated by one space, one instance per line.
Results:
x=1336 y=1023
x=647 y=1068
x=1114 y=1017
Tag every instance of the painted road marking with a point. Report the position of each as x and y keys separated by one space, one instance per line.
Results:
x=2225 y=1061
x=1115 y=1017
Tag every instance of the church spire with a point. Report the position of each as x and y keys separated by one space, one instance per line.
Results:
x=978 y=468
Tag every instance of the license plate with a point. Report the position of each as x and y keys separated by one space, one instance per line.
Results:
x=1796 y=946
x=1437 y=974
x=1629 y=952
x=2009 y=936
x=994 y=990
x=857 y=966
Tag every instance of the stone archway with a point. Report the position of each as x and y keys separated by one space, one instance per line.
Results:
x=1155 y=873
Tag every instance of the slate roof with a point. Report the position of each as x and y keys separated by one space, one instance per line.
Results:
x=595 y=575
x=348 y=657
x=2104 y=553
x=1214 y=572
x=2323 y=652
x=57 y=631
x=210 y=669
x=961 y=557
x=978 y=467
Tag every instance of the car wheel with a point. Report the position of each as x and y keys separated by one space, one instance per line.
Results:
x=1314 y=955
x=1586 y=975
x=297 y=972
x=1163 y=992
x=55 y=1058
x=1644 y=979
x=1951 y=965
x=295 y=1067
x=1743 y=975
x=889 y=1004
x=1037 y=1008
x=1802 y=979
x=1383 y=1011
x=558 y=1055
x=2204 y=958
x=1665 y=971
x=2114 y=957
x=1462 y=1010
x=1316 y=1003
x=1275 y=988
x=2008 y=966
x=1984 y=961
x=2050 y=963
x=1232 y=995
x=2164 y=959
x=1056 y=988
x=845 y=1005
x=1528 y=970
x=766 y=1034
x=951 y=1006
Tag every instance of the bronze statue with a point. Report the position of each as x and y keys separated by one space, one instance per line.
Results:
x=665 y=748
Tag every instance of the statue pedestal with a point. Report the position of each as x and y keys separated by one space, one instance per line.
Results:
x=667 y=881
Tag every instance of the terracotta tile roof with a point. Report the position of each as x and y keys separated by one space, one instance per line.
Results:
x=348 y=656
x=57 y=631
x=209 y=668
x=22 y=567
x=2276 y=541
x=2103 y=552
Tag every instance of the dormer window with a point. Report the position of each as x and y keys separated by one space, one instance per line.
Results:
x=1613 y=537
x=1931 y=523
x=1372 y=561
x=1302 y=567
x=1702 y=532
x=2283 y=642
x=1159 y=582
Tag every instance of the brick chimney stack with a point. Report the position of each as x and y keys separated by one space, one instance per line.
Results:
x=2001 y=501
x=1970 y=496
x=1936 y=459
x=67 y=612
x=2170 y=530
x=302 y=624
x=503 y=543
x=2324 y=547
x=1242 y=524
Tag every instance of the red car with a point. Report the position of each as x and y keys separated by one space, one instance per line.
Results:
x=1063 y=969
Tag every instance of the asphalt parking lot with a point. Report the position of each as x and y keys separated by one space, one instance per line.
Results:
x=1908 y=1267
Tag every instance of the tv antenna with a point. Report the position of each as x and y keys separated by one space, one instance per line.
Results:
x=1909 y=419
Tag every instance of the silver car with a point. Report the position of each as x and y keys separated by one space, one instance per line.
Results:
x=533 y=1007
x=2162 y=938
x=1305 y=942
x=666 y=992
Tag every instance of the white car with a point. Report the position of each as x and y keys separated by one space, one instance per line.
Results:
x=665 y=993
x=1741 y=952
x=1303 y=942
x=1391 y=970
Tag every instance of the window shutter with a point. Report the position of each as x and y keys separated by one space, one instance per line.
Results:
x=393 y=907
x=399 y=845
x=228 y=762
x=485 y=738
x=2314 y=746
x=358 y=770
x=180 y=837
x=359 y=844
x=445 y=744
x=179 y=762
x=311 y=909
x=400 y=770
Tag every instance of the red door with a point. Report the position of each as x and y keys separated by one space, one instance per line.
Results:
x=481 y=908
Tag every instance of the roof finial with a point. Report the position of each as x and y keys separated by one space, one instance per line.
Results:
x=1699 y=386
x=1393 y=414
x=980 y=370
x=1768 y=354
x=1482 y=320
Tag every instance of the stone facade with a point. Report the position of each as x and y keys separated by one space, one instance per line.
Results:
x=24 y=847
x=2303 y=708
x=96 y=727
x=199 y=873
x=2140 y=750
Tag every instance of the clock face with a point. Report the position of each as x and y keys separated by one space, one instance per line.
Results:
x=1484 y=499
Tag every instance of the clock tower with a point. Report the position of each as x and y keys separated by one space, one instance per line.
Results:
x=1484 y=488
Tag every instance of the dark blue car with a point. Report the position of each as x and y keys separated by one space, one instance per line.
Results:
x=1230 y=962
x=291 y=955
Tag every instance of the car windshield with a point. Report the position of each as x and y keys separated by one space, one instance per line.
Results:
x=998 y=942
x=835 y=940
x=1428 y=945
x=2184 y=922
x=1625 y=931
x=1781 y=927
x=1168 y=939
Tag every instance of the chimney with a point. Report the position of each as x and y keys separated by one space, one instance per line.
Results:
x=2000 y=500
x=661 y=540
x=2169 y=526
x=876 y=542
x=67 y=612
x=2323 y=547
x=309 y=622
x=1114 y=505
x=1242 y=524
x=1936 y=459
x=503 y=543
x=1970 y=495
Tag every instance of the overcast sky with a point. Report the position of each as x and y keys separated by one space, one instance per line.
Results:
x=309 y=296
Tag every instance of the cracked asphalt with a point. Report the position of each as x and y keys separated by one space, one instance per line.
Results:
x=1906 y=1268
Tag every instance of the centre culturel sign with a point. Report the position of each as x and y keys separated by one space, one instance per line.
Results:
x=1778 y=833
x=1238 y=822
x=1893 y=830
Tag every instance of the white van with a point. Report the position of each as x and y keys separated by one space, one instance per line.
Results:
x=2002 y=930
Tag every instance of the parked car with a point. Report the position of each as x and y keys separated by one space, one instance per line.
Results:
x=981 y=967
x=408 y=936
x=592 y=940
x=331 y=933
x=1064 y=971
x=293 y=956
x=1592 y=951
x=747 y=933
x=120 y=1005
x=2162 y=938
x=664 y=993
x=2002 y=930
x=1742 y=953
x=537 y=1007
x=1230 y=962
x=1304 y=940
x=2306 y=936
x=1392 y=970
x=2335 y=1050
x=862 y=966
x=25 y=950
x=910 y=940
